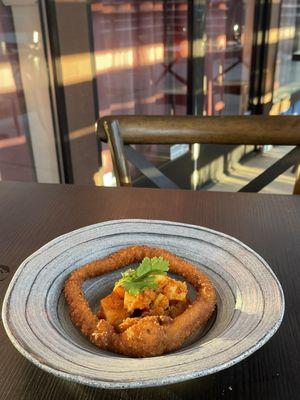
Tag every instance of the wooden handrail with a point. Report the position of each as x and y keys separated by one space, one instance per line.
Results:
x=277 y=130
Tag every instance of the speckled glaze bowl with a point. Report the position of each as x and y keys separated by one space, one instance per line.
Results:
x=249 y=310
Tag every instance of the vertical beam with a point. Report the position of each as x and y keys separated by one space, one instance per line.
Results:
x=60 y=103
x=196 y=65
x=265 y=44
x=196 y=41
x=247 y=43
x=76 y=92
x=169 y=52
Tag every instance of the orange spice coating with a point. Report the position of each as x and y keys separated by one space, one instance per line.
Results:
x=150 y=335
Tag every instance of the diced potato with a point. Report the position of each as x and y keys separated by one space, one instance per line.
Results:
x=169 y=299
x=138 y=302
x=112 y=308
x=172 y=289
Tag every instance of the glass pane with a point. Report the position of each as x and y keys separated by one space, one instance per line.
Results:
x=286 y=97
x=228 y=28
x=16 y=161
x=27 y=142
x=141 y=63
x=140 y=52
x=145 y=66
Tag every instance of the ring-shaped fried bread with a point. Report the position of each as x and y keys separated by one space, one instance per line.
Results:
x=147 y=336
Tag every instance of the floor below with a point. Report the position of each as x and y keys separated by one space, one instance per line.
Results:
x=246 y=170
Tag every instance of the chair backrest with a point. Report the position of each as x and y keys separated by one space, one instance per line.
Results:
x=256 y=130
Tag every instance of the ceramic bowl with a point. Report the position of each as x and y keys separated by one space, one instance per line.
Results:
x=250 y=305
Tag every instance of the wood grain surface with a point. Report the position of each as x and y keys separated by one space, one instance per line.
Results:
x=33 y=214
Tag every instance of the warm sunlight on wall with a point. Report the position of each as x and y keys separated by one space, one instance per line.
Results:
x=7 y=83
x=117 y=59
x=76 y=68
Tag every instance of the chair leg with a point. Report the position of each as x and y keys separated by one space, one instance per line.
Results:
x=297 y=183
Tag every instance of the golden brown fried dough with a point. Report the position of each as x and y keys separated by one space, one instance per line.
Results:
x=147 y=336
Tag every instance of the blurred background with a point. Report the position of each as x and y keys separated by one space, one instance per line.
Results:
x=64 y=63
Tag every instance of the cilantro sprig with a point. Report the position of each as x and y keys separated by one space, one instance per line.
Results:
x=135 y=281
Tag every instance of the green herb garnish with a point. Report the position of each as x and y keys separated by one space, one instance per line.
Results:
x=135 y=281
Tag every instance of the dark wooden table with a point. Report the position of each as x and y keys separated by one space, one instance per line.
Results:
x=33 y=214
